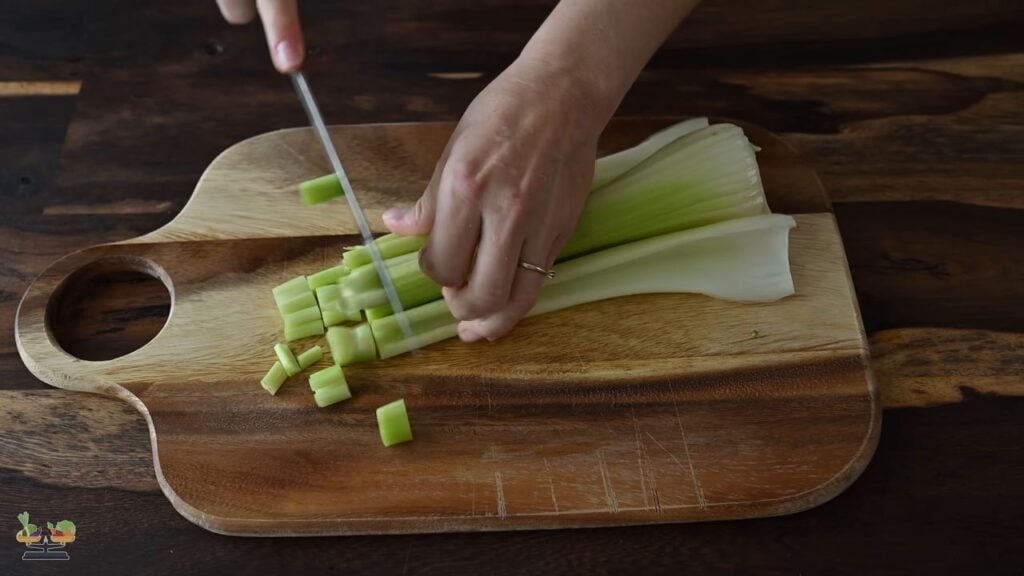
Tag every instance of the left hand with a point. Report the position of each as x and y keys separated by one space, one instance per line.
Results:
x=508 y=188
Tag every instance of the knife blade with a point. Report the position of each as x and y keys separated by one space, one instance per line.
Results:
x=317 y=121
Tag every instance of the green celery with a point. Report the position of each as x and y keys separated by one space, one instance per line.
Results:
x=310 y=357
x=324 y=397
x=304 y=300
x=393 y=422
x=274 y=378
x=330 y=376
x=290 y=289
x=287 y=359
x=389 y=246
x=327 y=277
x=320 y=189
x=351 y=344
x=303 y=316
x=314 y=328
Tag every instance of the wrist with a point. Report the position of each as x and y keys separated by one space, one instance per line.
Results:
x=585 y=93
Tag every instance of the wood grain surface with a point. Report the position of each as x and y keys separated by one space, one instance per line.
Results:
x=901 y=105
x=582 y=417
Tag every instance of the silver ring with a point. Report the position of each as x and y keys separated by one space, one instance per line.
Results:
x=538 y=269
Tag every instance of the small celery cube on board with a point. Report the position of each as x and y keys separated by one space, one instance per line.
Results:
x=310 y=357
x=324 y=397
x=287 y=359
x=393 y=421
x=274 y=378
x=330 y=376
x=314 y=328
x=299 y=302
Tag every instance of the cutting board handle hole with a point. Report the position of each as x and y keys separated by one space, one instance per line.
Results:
x=109 y=308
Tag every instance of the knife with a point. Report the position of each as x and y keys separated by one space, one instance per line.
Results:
x=317 y=121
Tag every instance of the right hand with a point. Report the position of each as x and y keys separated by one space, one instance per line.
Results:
x=280 y=23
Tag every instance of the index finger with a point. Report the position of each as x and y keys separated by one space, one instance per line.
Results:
x=284 y=34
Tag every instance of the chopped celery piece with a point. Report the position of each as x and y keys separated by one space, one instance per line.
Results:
x=326 y=277
x=302 y=301
x=324 y=397
x=290 y=289
x=378 y=312
x=287 y=359
x=334 y=314
x=743 y=260
x=351 y=344
x=330 y=376
x=310 y=357
x=301 y=317
x=389 y=245
x=274 y=378
x=327 y=294
x=393 y=422
x=314 y=328
x=320 y=189
x=363 y=290
x=608 y=168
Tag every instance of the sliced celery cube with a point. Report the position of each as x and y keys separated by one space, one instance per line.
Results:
x=303 y=316
x=320 y=189
x=351 y=344
x=327 y=277
x=324 y=397
x=310 y=357
x=314 y=328
x=287 y=359
x=330 y=376
x=274 y=378
x=300 y=302
x=393 y=421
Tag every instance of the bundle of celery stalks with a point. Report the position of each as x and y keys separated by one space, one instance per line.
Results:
x=683 y=211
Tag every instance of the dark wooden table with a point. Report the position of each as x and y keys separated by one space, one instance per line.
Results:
x=912 y=111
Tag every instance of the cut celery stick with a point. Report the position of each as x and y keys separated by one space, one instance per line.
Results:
x=320 y=189
x=290 y=289
x=301 y=317
x=304 y=300
x=314 y=328
x=327 y=294
x=324 y=397
x=389 y=245
x=330 y=376
x=274 y=378
x=393 y=422
x=310 y=357
x=326 y=277
x=351 y=344
x=333 y=314
x=378 y=312
x=287 y=359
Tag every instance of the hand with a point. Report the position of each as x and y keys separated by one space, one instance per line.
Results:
x=509 y=188
x=280 y=23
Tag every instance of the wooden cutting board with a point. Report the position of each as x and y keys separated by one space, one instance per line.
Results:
x=658 y=408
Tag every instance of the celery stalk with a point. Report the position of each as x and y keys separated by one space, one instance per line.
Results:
x=334 y=314
x=320 y=189
x=303 y=316
x=314 y=328
x=393 y=422
x=389 y=245
x=326 y=277
x=327 y=294
x=310 y=357
x=350 y=345
x=274 y=378
x=290 y=289
x=287 y=359
x=612 y=166
x=324 y=397
x=330 y=376
x=743 y=260
x=302 y=301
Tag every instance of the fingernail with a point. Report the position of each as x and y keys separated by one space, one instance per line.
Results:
x=288 y=55
x=468 y=334
x=395 y=214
